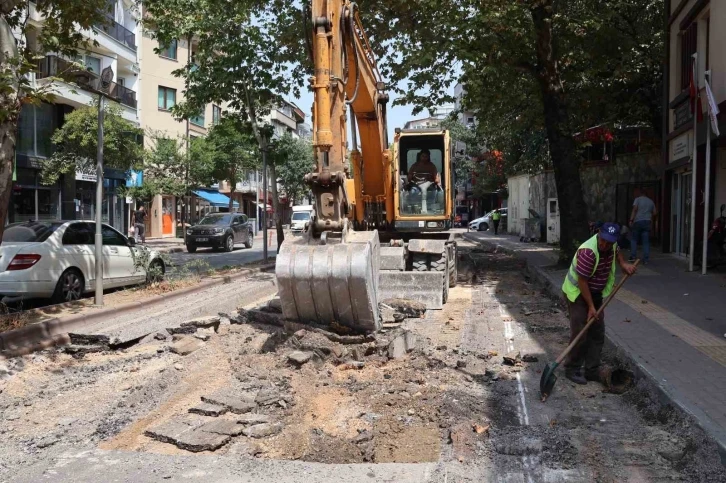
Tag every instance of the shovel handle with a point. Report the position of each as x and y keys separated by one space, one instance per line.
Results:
x=593 y=319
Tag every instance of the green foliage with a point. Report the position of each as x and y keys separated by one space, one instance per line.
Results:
x=293 y=159
x=234 y=149
x=62 y=33
x=76 y=143
x=168 y=169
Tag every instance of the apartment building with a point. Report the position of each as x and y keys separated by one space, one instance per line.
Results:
x=73 y=197
x=694 y=27
x=436 y=115
x=146 y=90
x=249 y=192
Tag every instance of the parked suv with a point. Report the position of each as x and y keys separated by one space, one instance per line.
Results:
x=221 y=231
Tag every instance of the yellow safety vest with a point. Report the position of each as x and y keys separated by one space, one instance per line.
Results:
x=570 y=287
x=496 y=216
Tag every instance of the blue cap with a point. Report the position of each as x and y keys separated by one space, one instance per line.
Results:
x=610 y=232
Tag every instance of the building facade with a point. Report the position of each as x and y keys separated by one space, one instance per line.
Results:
x=694 y=27
x=114 y=45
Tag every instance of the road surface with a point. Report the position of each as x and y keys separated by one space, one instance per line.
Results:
x=217 y=260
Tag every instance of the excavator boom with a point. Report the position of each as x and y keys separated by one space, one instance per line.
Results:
x=332 y=272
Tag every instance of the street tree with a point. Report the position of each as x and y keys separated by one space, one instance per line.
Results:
x=76 y=143
x=293 y=159
x=234 y=150
x=247 y=54
x=21 y=45
x=530 y=67
x=169 y=170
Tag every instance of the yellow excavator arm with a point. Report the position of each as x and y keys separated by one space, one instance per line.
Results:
x=346 y=82
x=332 y=272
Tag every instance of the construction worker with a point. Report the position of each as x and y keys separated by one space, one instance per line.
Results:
x=590 y=279
x=496 y=216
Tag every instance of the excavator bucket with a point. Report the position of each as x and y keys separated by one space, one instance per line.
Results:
x=336 y=281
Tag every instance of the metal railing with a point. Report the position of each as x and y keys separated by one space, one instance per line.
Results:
x=54 y=66
x=118 y=32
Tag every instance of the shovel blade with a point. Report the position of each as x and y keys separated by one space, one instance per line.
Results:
x=548 y=380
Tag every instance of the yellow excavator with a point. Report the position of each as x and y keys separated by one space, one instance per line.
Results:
x=382 y=231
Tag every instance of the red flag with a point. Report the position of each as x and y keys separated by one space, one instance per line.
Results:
x=696 y=106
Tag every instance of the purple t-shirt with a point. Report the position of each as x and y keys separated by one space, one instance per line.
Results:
x=585 y=264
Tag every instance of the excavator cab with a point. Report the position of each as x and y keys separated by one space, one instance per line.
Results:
x=423 y=176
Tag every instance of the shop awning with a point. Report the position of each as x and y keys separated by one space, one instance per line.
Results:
x=260 y=205
x=215 y=198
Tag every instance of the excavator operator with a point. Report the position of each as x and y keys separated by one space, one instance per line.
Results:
x=423 y=169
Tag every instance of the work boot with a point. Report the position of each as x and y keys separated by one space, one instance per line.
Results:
x=575 y=376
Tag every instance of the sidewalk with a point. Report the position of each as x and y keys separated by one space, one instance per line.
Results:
x=176 y=245
x=671 y=322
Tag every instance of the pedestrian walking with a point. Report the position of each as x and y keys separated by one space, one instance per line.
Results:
x=588 y=282
x=496 y=217
x=140 y=225
x=641 y=219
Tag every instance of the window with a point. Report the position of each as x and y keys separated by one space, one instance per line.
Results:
x=35 y=129
x=689 y=45
x=167 y=98
x=216 y=115
x=170 y=51
x=198 y=120
x=121 y=81
x=238 y=220
x=30 y=232
x=78 y=234
x=112 y=238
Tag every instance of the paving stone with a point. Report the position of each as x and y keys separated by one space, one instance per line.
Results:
x=169 y=431
x=208 y=409
x=401 y=345
x=299 y=357
x=236 y=404
x=210 y=321
x=222 y=426
x=198 y=440
x=262 y=430
x=270 y=396
x=252 y=418
x=186 y=346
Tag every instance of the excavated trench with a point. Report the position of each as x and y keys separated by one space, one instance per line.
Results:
x=458 y=387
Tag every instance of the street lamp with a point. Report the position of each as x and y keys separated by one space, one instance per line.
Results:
x=105 y=82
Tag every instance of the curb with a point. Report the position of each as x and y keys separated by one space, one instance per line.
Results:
x=51 y=332
x=664 y=395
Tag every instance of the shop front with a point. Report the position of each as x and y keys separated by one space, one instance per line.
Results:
x=113 y=206
x=32 y=200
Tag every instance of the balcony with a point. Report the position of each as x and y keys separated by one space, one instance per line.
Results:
x=53 y=66
x=118 y=32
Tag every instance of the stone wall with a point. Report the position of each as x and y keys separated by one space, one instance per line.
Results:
x=600 y=181
x=599 y=185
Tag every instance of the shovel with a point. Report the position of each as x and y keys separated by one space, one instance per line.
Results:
x=548 y=380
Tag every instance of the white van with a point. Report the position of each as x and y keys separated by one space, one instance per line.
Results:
x=300 y=218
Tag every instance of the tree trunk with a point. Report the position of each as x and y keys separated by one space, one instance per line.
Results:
x=7 y=163
x=10 y=103
x=563 y=152
x=232 y=185
x=276 y=206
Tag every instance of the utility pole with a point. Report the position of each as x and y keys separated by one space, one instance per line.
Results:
x=264 y=203
x=185 y=207
x=98 y=300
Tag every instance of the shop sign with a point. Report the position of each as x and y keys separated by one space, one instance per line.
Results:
x=85 y=177
x=680 y=147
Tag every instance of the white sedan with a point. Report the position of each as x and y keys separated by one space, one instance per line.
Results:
x=48 y=259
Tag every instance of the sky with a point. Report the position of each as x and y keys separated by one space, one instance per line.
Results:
x=397 y=115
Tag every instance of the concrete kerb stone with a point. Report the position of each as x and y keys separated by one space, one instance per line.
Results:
x=664 y=394
x=49 y=332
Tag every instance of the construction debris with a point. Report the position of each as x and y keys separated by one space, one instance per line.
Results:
x=299 y=358
x=512 y=358
x=186 y=345
x=262 y=430
x=208 y=409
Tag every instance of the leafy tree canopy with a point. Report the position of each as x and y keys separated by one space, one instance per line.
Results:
x=293 y=158
x=76 y=143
